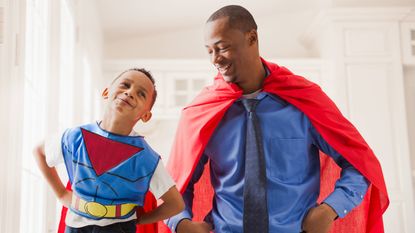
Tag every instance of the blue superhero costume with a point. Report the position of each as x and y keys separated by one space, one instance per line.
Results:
x=110 y=174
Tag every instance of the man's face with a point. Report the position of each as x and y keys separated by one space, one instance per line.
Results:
x=131 y=95
x=229 y=49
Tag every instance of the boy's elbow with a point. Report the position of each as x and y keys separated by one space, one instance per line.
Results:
x=181 y=206
x=38 y=151
x=174 y=200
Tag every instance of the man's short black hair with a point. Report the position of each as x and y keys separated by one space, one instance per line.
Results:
x=148 y=75
x=238 y=17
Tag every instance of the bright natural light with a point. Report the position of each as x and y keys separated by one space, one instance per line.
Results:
x=35 y=94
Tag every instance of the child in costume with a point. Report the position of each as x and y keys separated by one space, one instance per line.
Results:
x=110 y=167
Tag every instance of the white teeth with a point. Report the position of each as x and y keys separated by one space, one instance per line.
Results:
x=222 y=69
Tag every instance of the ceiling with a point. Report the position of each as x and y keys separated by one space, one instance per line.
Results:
x=139 y=17
x=120 y=19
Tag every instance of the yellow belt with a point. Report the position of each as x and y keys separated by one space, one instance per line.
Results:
x=99 y=210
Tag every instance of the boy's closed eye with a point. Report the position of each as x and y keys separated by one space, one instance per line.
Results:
x=142 y=94
x=125 y=84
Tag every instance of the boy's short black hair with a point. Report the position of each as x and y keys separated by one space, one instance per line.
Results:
x=238 y=18
x=149 y=76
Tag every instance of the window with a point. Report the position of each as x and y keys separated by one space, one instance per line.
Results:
x=49 y=100
x=35 y=91
x=186 y=86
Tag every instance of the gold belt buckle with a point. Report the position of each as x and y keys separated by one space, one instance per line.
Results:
x=96 y=209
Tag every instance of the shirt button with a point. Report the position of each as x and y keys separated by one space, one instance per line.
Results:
x=345 y=211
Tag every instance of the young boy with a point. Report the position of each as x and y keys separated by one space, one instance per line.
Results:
x=110 y=167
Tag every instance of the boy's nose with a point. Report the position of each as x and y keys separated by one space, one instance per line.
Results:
x=127 y=93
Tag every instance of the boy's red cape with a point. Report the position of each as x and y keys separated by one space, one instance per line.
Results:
x=202 y=116
x=200 y=119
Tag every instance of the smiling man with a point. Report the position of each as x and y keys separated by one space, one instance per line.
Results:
x=261 y=130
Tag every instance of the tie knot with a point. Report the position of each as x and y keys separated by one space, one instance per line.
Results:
x=250 y=104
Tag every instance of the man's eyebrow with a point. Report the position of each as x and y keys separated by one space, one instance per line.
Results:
x=217 y=42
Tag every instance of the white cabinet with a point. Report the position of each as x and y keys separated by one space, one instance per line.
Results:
x=365 y=47
x=408 y=43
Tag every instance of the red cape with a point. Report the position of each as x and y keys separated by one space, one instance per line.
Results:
x=200 y=119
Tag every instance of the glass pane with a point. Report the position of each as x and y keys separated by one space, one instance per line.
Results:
x=180 y=85
x=198 y=84
x=413 y=50
x=413 y=35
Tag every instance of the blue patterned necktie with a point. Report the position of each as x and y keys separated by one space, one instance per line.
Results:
x=255 y=215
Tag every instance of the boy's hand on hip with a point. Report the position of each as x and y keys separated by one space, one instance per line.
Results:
x=319 y=219
x=188 y=226
x=66 y=198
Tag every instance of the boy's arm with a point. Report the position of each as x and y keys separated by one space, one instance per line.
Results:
x=183 y=223
x=172 y=204
x=51 y=176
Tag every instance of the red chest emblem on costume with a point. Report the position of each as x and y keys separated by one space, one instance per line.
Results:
x=101 y=151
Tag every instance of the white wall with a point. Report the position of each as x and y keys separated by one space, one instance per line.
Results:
x=409 y=73
x=275 y=40
x=89 y=49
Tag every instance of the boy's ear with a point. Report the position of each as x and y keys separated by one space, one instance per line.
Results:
x=105 y=93
x=146 y=116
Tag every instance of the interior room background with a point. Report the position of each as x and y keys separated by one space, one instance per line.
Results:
x=56 y=56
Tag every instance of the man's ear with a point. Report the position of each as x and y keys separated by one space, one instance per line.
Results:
x=253 y=37
x=146 y=116
x=105 y=93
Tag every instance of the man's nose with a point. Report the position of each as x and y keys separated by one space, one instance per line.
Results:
x=216 y=58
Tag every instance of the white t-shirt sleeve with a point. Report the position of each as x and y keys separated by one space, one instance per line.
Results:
x=161 y=181
x=53 y=149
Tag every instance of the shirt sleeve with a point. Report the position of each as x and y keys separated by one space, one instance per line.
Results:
x=188 y=196
x=350 y=188
x=53 y=149
x=161 y=181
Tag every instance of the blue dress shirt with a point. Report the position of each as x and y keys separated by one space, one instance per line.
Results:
x=291 y=147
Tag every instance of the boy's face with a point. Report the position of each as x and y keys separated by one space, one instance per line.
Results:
x=131 y=96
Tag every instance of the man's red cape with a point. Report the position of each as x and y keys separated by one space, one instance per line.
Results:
x=200 y=119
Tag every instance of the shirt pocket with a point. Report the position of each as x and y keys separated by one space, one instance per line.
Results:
x=288 y=159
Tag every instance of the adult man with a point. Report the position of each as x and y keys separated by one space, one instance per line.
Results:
x=261 y=129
